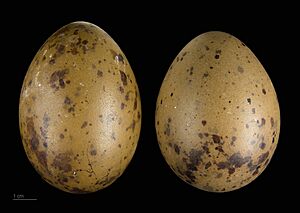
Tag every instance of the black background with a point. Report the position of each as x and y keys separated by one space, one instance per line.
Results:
x=151 y=36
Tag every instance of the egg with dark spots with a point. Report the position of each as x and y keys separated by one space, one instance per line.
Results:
x=80 y=110
x=217 y=114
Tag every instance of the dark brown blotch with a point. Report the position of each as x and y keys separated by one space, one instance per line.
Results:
x=84 y=124
x=62 y=162
x=177 y=149
x=216 y=139
x=57 y=79
x=123 y=78
x=203 y=122
x=262 y=145
x=237 y=160
x=264 y=91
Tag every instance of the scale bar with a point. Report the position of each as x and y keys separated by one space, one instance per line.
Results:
x=25 y=199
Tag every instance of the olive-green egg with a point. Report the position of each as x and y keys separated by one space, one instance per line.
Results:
x=217 y=115
x=80 y=110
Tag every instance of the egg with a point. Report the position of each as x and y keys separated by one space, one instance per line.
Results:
x=217 y=115
x=80 y=110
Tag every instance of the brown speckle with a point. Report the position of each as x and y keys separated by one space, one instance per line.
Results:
x=200 y=135
x=177 y=149
x=84 y=124
x=52 y=61
x=217 y=56
x=272 y=122
x=204 y=122
x=60 y=49
x=99 y=73
x=61 y=136
x=240 y=69
x=93 y=151
x=249 y=100
x=216 y=138
x=264 y=91
x=208 y=165
x=122 y=105
x=263 y=122
x=121 y=89
x=135 y=104
x=57 y=79
x=123 y=78
x=233 y=139
x=262 y=145
x=67 y=100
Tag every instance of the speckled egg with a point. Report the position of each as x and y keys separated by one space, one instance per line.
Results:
x=80 y=110
x=217 y=114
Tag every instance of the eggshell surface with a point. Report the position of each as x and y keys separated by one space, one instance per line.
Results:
x=217 y=114
x=80 y=110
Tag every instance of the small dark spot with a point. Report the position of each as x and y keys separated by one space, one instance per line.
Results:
x=206 y=134
x=161 y=101
x=61 y=136
x=203 y=122
x=205 y=75
x=219 y=148
x=71 y=109
x=240 y=69
x=99 y=73
x=208 y=165
x=122 y=105
x=243 y=44
x=177 y=149
x=135 y=104
x=67 y=100
x=119 y=145
x=123 y=78
x=217 y=56
x=200 y=135
x=84 y=124
x=171 y=94
x=233 y=139
x=60 y=49
x=121 y=89
x=231 y=170
x=263 y=122
x=264 y=91
x=256 y=171
x=272 y=122
x=262 y=145
x=206 y=149
x=206 y=48
x=216 y=138
x=229 y=101
x=52 y=61
x=249 y=100
x=84 y=42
